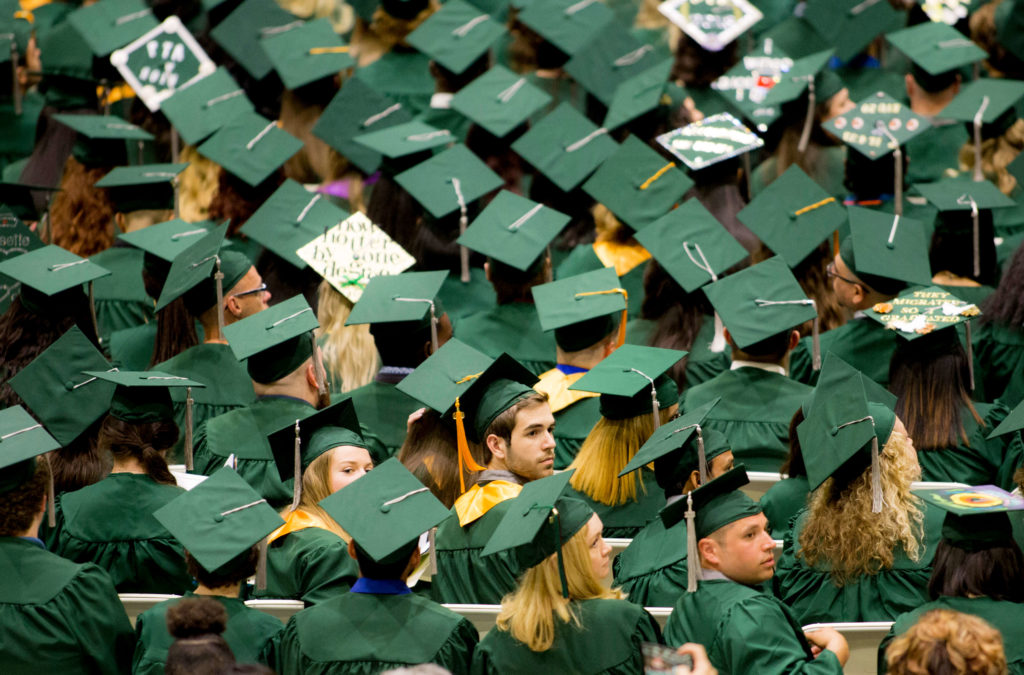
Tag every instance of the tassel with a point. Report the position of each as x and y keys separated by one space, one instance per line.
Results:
x=466 y=460
x=219 y=278
x=556 y=519
x=92 y=312
x=898 y=182
x=702 y=460
x=433 y=329
x=976 y=238
x=693 y=569
x=297 y=489
x=621 y=338
x=876 y=476
x=816 y=345
x=51 y=509
x=188 y=429
x=970 y=353
x=432 y=565
x=805 y=134
x=718 y=342
x=463 y=224
x=655 y=407
x=261 y=565
x=978 y=117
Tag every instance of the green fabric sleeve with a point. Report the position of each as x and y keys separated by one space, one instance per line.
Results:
x=457 y=653
x=91 y=608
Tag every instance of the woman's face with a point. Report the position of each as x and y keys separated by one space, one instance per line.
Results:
x=347 y=464
x=600 y=550
x=839 y=104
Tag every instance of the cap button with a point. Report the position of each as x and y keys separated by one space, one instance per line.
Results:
x=834 y=430
x=69 y=385
x=218 y=518
x=385 y=508
x=890 y=245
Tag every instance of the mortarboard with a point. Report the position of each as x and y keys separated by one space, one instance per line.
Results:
x=101 y=138
x=514 y=230
x=712 y=24
x=567 y=24
x=711 y=140
x=241 y=33
x=405 y=139
x=142 y=396
x=851 y=25
x=51 y=270
x=109 y=24
x=146 y=186
x=168 y=239
x=581 y=308
x=250 y=147
x=747 y=84
x=672 y=441
x=456 y=35
x=307 y=53
x=638 y=94
x=22 y=439
x=449 y=181
x=1009 y=21
x=985 y=103
x=977 y=517
x=411 y=297
x=499 y=100
x=877 y=126
x=203 y=261
x=203 y=107
x=883 y=246
x=809 y=74
x=936 y=47
x=612 y=58
x=632 y=381
x=276 y=341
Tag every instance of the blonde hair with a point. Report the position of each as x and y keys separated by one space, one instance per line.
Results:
x=996 y=155
x=608 y=227
x=944 y=641
x=529 y=612
x=350 y=355
x=197 y=185
x=316 y=486
x=842 y=532
x=606 y=450
x=340 y=14
x=384 y=32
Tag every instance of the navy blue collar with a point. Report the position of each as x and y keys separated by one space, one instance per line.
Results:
x=35 y=540
x=380 y=586
x=570 y=370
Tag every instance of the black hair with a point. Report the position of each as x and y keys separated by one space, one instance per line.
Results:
x=238 y=569
x=993 y=572
x=199 y=648
x=391 y=567
x=952 y=248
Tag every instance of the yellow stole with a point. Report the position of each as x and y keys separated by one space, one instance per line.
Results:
x=479 y=499
x=556 y=385
x=299 y=520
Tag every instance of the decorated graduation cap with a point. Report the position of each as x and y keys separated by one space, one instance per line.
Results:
x=456 y=35
x=851 y=25
x=747 y=84
x=637 y=184
x=203 y=107
x=409 y=298
x=355 y=110
x=241 y=32
x=632 y=381
x=101 y=138
x=886 y=251
x=250 y=147
x=385 y=511
x=307 y=53
x=296 y=445
x=565 y=146
x=610 y=59
x=275 y=342
x=712 y=140
x=937 y=50
x=147 y=186
x=22 y=439
x=539 y=522
x=567 y=24
x=706 y=510
x=977 y=517
x=109 y=24
x=762 y=301
x=291 y=218
x=514 y=230
x=499 y=100
x=580 y=309
x=793 y=215
x=680 y=445
x=405 y=139
x=220 y=520
x=713 y=24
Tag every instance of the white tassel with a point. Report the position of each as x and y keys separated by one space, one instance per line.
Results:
x=219 y=278
x=816 y=344
x=189 y=463
x=702 y=460
x=693 y=569
x=876 y=476
x=297 y=490
x=655 y=407
x=718 y=342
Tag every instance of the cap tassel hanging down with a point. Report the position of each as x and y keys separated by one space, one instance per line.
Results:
x=978 y=117
x=702 y=460
x=51 y=512
x=897 y=154
x=693 y=568
x=297 y=489
x=463 y=224
x=218 y=277
x=718 y=341
x=976 y=230
x=433 y=319
x=621 y=338
x=815 y=341
x=876 y=469
x=812 y=102
x=466 y=460
x=655 y=406
x=188 y=428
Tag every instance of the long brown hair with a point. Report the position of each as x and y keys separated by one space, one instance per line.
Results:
x=82 y=215
x=145 y=442
x=430 y=453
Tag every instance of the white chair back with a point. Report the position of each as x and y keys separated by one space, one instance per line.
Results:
x=137 y=603
x=759 y=483
x=863 y=638
x=282 y=609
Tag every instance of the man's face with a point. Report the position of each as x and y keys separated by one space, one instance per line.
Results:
x=720 y=464
x=744 y=550
x=531 y=454
x=244 y=299
x=843 y=283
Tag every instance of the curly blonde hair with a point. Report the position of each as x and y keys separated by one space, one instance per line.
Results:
x=996 y=155
x=350 y=355
x=944 y=641
x=843 y=534
x=197 y=185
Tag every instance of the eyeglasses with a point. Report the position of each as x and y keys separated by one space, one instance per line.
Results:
x=830 y=270
x=259 y=289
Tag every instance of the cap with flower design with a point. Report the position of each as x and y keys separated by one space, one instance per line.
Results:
x=877 y=125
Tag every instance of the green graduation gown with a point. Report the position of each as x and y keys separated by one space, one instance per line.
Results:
x=243 y=433
x=862 y=342
x=514 y=329
x=311 y=565
x=607 y=639
x=465 y=299
x=363 y=633
x=247 y=631
x=228 y=385
x=744 y=630
x=998 y=354
x=782 y=501
x=584 y=259
x=624 y=521
x=111 y=523
x=979 y=461
x=652 y=569
x=1005 y=616
x=121 y=300
x=383 y=409
x=57 y=616
x=813 y=598
x=132 y=348
x=935 y=151
x=702 y=364
x=754 y=413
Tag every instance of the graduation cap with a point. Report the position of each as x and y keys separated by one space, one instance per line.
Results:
x=411 y=297
x=985 y=102
x=220 y=520
x=449 y=181
x=203 y=107
x=405 y=139
x=240 y=34
x=807 y=74
x=637 y=184
x=878 y=125
x=22 y=439
x=456 y=35
x=307 y=53
x=793 y=215
x=49 y=277
x=250 y=147
x=385 y=511
x=936 y=49
x=638 y=95
x=1011 y=423
x=977 y=517
x=290 y=219
x=851 y=25
x=499 y=100
x=109 y=24
x=747 y=84
x=565 y=146
x=712 y=25
x=567 y=24
x=101 y=138
x=947 y=11
x=142 y=396
x=275 y=342
x=514 y=230
x=355 y=110
x=883 y=248
x=20 y=199
x=610 y=59
x=706 y=510
x=712 y=140
x=580 y=308
x=539 y=522
x=672 y=441
x=147 y=186
x=1009 y=21
x=632 y=380
x=168 y=239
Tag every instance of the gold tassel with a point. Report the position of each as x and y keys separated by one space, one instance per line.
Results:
x=189 y=466
x=466 y=460
x=297 y=489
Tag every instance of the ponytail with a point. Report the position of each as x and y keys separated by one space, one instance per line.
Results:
x=145 y=442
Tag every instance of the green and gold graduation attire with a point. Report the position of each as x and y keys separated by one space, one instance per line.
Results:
x=979 y=461
x=133 y=347
x=628 y=261
x=998 y=354
x=513 y=329
x=306 y=561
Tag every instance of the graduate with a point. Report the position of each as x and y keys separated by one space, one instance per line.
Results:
x=744 y=629
x=58 y=616
x=221 y=523
x=380 y=623
x=560 y=618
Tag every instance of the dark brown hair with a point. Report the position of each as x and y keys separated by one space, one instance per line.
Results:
x=430 y=453
x=1006 y=306
x=82 y=215
x=20 y=506
x=992 y=573
x=199 y=647
x=794 y=464
x=143 y=441
x=502 y=425
x=239 y=568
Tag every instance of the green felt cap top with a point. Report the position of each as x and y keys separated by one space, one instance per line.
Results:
x=385 y=511
x=760 y=301
x=716 y=504
x=193 y=265
x=879 y=251
x=863 y=128
x=795 y=81
x=578 y=299
x=612 y=58
x=104 y=127
x=627 y=377
x=977 y=517
x=531 y=526
x=358 y=109
x=21 y=440
x=307 y=53
x=250 y=147
x=567 y=24
x=712 y=24
x=142 y=396
x=709 y=141
x=273 y=327
x=499 y=100
x=687 y=241
x=793 y=215
x=399 y=297
x=1001 y=95
x=1013 y=422
x=851 y=25
x=637 y=184
x=936 y=47
x=168 y=239
x=148 y=186
x=456 y=35
x=54 y=389
x=324 y=430
x=1009 y=20
x=241 y=33
x=205 y=106
x=219 y=519
x=565 y=146
x=51 y=269
x=514 y=230
x=918 y=312
x=438 y=182
x=641 y=93
x=958 y=194
x=405 y=139
x=674 y=438
x=110 y=24
x=290 y=219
